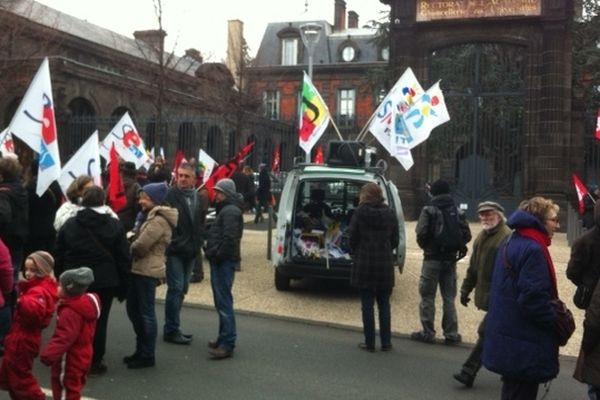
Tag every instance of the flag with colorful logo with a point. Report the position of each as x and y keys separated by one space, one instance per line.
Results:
x=314 y=115
x=7 y=145
x=128 y=143
x=86 y=161
x=275 y=160
x=581 y=191
x=384 y=121
x=34 y=123
x=427 y=112
x=206 y=163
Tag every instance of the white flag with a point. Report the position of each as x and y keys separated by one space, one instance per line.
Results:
x=128 y=143
x=7 y=145
x=34 y=123
x=426 y=113
x=207 y=164
x=86 y=161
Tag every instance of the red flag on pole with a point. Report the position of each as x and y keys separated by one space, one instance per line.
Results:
x=318 y=157
x=597 y=134
x=116 y=190
x=581 y=192
x=275 y=160
x=225 y=170
x=176 y=163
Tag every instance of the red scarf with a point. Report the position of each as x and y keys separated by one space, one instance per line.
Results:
x=543 y=240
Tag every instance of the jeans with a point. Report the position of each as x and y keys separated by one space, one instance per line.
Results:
x=221 y=281
x=442 y=273
x=140 y=310
x=106 y=296
x=513 y=389
x=179 y=271
x=368 y=297
x=593 y=392
x=473 y=363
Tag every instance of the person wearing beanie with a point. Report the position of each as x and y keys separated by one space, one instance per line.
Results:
x=184 y=248
x=97 y=240
x=223 y=252
x=479 y=277
x=147 y=269
x=68 y=353
x=32 y=313
x=443 y=233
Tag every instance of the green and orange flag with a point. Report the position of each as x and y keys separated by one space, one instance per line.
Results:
x=314 y=116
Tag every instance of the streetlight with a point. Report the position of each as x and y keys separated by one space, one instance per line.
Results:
x=310 y=33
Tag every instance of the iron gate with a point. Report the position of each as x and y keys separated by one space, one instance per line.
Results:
x=480 y=150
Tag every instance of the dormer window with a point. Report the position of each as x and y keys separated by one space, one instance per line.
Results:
x=290 y=46
x=348 y=51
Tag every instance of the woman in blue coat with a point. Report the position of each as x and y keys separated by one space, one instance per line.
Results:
x=521 y=343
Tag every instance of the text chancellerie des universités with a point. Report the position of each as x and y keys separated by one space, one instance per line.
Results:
x=430 y=10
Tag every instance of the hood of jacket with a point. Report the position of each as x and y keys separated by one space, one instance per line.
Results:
x=522 y=219
x=87 y=305
x=235 y=199
x=443 y=201
x=47 y=284
x=168 y=213
x=93 y=218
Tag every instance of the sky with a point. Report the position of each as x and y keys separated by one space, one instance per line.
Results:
x=203 y=24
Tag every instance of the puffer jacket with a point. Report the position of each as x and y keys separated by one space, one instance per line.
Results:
x=373 y=233
x=69 y=350
x=584 y=264
x=148 y=248
x=588 y=362
x=34 y=309
x=520 y=337
x=225 y=233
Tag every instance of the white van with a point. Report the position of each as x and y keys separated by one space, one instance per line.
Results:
x=315 y=207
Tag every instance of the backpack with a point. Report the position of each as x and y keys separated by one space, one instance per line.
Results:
x=447 y=232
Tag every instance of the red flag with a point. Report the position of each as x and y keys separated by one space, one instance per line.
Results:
x=275 y=160
x=581 y=192
x=176 y=163
x=225 y=170
x=597 y=134
x=318 y=157
x=116 y=191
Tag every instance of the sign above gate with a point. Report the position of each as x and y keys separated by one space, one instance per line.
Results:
x=430 y=10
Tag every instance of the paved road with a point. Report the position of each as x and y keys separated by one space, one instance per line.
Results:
x=283 y=359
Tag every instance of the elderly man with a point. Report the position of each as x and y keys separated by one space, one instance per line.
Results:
x=479 y=276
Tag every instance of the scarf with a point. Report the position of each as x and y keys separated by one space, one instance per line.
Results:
x=543 y=240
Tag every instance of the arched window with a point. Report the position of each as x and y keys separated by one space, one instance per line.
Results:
x=213 y=143
x=185 y=139
x=80 y=125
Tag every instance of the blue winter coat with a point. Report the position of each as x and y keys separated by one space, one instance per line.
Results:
x=520 y=340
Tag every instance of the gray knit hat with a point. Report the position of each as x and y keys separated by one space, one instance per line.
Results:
x=226 y=186
x=76 y=281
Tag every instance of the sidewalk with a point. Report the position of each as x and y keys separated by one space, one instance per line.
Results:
x=337 y=304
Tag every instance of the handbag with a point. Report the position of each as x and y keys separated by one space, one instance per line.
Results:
x=565 y=323
x=582 y=297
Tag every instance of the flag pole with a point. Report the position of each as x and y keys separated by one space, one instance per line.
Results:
x=364 y=130
x=336 y=129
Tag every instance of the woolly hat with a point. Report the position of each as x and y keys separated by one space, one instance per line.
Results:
x=43 y=261
x=76 y=281
x=490 y=206
x=226 y=186
x=156 y=191
x=439 y=187
x=128 y=169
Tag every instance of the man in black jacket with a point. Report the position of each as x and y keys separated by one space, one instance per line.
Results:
x=185 y=244
x=223 y=252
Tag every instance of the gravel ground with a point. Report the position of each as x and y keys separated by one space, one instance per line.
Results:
x=336 y=303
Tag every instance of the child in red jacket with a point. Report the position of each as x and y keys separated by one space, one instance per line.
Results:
x=33 y=312
x=69 y=351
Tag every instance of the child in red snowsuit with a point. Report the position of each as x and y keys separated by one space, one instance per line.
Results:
x=69 y=351
x=33 y=312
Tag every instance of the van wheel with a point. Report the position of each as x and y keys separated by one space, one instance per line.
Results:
x=282 y=282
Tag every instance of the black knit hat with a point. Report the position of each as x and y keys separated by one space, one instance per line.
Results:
x=439 y=187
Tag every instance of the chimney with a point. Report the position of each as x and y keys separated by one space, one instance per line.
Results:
x=235 y=40
x=339 y=16
x=154 y=38
x=352 y=19
x=194 y=55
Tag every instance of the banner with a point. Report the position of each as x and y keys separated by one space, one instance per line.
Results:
x=225 y=170
x=581 y=193
x=128 y=143
x=86 y=161
x=34 y=123
x=207 y=164
x=116 y=190
x=314 y=116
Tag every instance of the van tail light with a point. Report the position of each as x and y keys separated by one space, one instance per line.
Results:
x=279 y=249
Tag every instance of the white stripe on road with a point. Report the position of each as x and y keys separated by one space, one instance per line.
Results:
x=48 y=394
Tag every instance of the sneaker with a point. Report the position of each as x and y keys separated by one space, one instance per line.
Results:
x=422 y=337
x=452 y=341
x=141 y=362
x=464 y=378
x=220 y=353
x=98 y=368
x=366 y=347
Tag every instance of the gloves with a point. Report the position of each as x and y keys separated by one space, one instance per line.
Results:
x=464 y=299
x=462 y=253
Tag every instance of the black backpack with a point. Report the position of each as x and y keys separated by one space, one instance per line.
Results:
x=447 y=233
